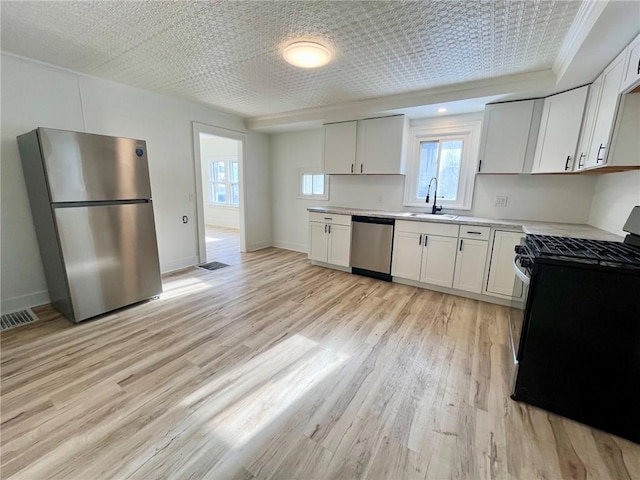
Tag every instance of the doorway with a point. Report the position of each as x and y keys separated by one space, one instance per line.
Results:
x=218 y=155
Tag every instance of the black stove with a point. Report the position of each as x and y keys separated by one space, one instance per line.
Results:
x=576 y=344
x=596 y=252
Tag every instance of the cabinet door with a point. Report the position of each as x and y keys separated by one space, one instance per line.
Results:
x=339 y=245
x=382 y=145
x=340 y=147
x=505 y=134
x=559 y=131
x=586 y=133
x=318 y=238
x=470 y=262
x=407 y=255
x=501 y=277
x=606 y=115
x=632 y=65
x=439 y=260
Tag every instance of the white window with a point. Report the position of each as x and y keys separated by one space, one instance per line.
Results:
x=313 y=185
x=446 y=157
x=223 y=181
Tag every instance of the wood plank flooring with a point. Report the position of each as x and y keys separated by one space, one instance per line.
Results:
x=223 y=244
x=274 y=368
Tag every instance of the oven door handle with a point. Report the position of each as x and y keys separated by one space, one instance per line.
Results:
x=519 y=273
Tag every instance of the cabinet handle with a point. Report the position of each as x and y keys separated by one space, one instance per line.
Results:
x=598 y=159
x=474 y=232
x=329 y=229
x=360 y=168
x=420 y=240
x=425 y=240
x=328 y=218
x=352 y=168
x=460 y=244
x=566 y=164
x=325 y=228
x=580 y=164
x=638 y=67
x=479 y=165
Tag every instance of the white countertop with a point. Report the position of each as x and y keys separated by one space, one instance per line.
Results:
x=527 y=226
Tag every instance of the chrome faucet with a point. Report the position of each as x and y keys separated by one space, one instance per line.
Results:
x=434 y=209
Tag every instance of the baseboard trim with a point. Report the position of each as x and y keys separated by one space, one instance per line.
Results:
x=259 y=246
x=296 y=247
x=179 y=264
x=21 y=302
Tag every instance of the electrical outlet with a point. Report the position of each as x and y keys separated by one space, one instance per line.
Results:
x=500 y=201
x=185 y=219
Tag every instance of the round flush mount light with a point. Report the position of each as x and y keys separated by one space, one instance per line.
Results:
x=442 y=110
x=307 y=54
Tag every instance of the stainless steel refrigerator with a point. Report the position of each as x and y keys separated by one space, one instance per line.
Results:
x=90 y=198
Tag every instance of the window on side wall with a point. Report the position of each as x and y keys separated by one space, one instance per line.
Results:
x=223 y=181
x=313 y=184
x=448 y=155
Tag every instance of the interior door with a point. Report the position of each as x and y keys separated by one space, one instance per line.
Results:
x=110 y=255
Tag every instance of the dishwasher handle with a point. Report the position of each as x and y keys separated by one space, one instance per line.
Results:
x=378 y=220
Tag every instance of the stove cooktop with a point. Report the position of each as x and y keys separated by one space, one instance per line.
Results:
x=597 y=251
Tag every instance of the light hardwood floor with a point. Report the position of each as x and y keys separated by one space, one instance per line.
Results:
x=223 y=244
x=273 y=368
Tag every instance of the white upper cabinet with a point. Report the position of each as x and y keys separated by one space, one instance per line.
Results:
x=631 y=75
x=508 y=136
x=381 y=145
x=340 y=147
x=559 y=131
x=608 y=86
x=371 y=146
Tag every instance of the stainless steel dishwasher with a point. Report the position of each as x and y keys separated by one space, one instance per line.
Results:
x=371 y=246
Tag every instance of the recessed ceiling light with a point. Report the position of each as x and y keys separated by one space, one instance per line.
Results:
x=442 y=110
x=307 y=54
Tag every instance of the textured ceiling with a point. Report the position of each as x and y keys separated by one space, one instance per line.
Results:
x=227 y=54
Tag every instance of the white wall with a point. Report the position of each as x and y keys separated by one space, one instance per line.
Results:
x=212 y=146
x=36 y=95
x=530 y=197
x=614 y=197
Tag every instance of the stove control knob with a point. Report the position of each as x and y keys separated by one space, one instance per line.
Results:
x=525 y=262
x=519 y=249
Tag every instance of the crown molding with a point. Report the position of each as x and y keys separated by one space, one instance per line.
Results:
x=586 y=18
x=541 y=82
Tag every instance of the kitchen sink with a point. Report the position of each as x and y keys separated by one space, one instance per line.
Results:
x=428 y=215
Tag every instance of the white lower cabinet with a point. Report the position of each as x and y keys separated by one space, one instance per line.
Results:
x=470 y=262
x=407 y=255
x=438 y=260
x=501 y=279
x=339 y=245
x=425 y=252
x=330 y=238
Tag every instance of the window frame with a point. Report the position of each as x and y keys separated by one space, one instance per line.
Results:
x=469 y=132
x=312 y=171
x=228 y=161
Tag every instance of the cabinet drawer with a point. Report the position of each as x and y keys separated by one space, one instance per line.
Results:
x=429 y=228
x=330 y=218
x=474 y=232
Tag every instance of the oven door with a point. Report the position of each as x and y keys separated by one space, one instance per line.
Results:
x=517 y=312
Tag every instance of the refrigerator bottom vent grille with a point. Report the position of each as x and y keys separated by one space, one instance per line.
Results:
x=16 y=319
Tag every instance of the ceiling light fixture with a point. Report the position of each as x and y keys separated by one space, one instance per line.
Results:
x=442 y=110
x=307 y=54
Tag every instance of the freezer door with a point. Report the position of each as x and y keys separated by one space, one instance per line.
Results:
x=110 y=255
x=83 y=167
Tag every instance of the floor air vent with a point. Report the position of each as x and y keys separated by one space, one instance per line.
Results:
x=16 y=319
x=213 y=265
